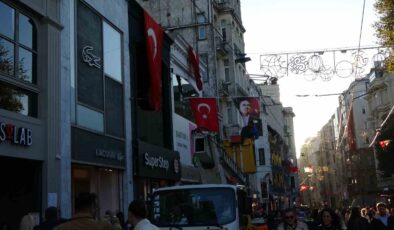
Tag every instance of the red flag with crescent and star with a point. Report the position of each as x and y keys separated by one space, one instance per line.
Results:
x=205 y=113
x=195 y=64
x=154 y=43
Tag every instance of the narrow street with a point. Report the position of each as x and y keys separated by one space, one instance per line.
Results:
x=196 y=114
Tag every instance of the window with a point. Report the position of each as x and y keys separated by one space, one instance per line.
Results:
x=182 y=90
x=223 y=24
x=90 y=118
x=262 y=156
x=204 y=73
x=226 y=70
x=202 y=33
x=17 y=61
x=99 y=90
x=18 y=100
x=230 y=117
x=112 y=54
x=195 y=207
x=12 y=51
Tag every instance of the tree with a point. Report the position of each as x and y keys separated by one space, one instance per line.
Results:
x=9 y=98
x=385 y=28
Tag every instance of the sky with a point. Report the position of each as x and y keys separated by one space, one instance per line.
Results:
x=299 y=25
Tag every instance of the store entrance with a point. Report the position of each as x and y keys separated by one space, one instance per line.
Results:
x=20 y=190
x=106 y=183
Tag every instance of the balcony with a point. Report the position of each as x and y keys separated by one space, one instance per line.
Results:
x=221 y=46
x=224 y=88
x=223 y=5
x=231 y=130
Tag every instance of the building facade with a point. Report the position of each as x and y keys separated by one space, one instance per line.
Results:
x=380 y=102
x=30 y=111
x=212 y=26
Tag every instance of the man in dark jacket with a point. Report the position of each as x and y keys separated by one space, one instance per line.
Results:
x=51 y=219
x=382 y=221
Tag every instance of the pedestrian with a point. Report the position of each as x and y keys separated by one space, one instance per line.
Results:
x=51 y=219
x=346 y=216
x=29 y=221
x=290 y=221
x=111 y=219
x=356 y=222
x=85 y=215
x=382 y=220
x=370 y=214
x=329 y=220
x=364 y=212
x=138 y=214
x=4 y=226
x=309 y=221
x=120 y=217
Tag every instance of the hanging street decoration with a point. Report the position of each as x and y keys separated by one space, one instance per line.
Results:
x=324 y=64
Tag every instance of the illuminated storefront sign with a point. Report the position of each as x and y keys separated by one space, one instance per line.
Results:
x=16 y=135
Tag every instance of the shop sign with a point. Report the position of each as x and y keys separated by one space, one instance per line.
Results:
x=95 y=148
x=18 y=136
x=183 y=143
x=89 y=58
x=158 y=162
x=108 y=154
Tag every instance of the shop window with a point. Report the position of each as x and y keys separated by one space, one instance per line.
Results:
x=99 y=74
x=90 y=79
x=105 y=182
x=18 y=100
x=114 y=121
x=6 y=57
x=26 y=65
x=90 y=118
x=202 y=32
x=112 y=54
x=7 y=20
x=13 y=21
x=18 y=56
x=26 y=32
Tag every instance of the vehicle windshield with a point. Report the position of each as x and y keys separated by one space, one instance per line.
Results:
x=194 y=207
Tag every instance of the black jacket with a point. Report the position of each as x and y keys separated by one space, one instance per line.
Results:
x=376 y=224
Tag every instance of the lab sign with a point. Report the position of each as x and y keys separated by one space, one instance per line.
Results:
x=16 y=135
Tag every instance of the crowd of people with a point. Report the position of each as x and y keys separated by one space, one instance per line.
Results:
x=85 y=218
x=355 y=218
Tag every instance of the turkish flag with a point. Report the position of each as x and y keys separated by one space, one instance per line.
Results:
x=351 y=137
x=195 y=64
x=205 y=113
x=154 y=43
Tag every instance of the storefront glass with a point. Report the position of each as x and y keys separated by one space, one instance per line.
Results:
x=20 y=191
x=106 y=183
